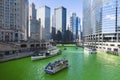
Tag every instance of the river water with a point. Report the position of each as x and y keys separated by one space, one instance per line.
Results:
x=82 y=66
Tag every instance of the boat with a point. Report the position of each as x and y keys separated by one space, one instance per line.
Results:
x=90 y=50
x=76 y=47
x=56 y=66
x=45 y=54
x=65 y=48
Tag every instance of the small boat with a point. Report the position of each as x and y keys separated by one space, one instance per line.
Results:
x=45 y=54
x=76 y=47
x=57 y=66
x=65 y=48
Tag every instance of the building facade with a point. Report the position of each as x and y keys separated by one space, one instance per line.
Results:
x=32 y=20
x=53 y=33
x=78 y=30
x=86 y=17
x=44 y=14
x=75 y=26
x=34 y=24
x=60 y=19
x=13 y=20
x=102 y=18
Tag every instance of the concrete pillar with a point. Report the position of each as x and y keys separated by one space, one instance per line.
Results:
x=117 y=37
x=0 y=36
x=98 y=37
x=3 y=36
x=118 y=51
x=19 y=36
x=9 y=35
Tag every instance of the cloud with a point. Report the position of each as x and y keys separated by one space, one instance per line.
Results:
x=111 y=17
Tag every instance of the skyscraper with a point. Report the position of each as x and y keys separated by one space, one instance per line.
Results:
x=78 y=28
x=101 y=23
x=44 y=14
x=53 y=33
x=34 y=24
x=26 y=19
x=32 y=20
x=60 y=19
x=87 y=17
x=75 y=26
x=13 y=20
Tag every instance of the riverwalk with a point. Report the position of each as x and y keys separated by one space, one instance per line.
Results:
x=15 y=56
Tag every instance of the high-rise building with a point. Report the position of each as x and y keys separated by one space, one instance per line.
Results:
x=38 y=30
x=53 y=34
x=34 y=24
x=78 y=29
x=60 y=19
x=86 y=17
x=26 y=19
x=32 y=20
x=13 y=20
x=53 y=21
x=101 y=23
x=44 y=14
x=75 y=26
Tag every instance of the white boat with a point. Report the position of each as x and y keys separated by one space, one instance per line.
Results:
x=45 y=54
x=90 y=50
x=56 y=66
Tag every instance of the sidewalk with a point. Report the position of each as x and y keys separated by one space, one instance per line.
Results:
x=16 y=56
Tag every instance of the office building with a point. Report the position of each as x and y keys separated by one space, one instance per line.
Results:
x=75 y=26
x=44 y=14
x=101 y=24
x=34 y=24
x=53 y=34
x=32 y=20
x=60 y=19
x=13 y=20
x=78 y=30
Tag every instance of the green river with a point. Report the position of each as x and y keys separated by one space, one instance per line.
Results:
x=82 y=66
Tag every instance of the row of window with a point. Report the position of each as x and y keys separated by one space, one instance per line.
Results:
x=109 y=49
x=109 y=44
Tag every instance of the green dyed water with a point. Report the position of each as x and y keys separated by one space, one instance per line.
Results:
x=82 y=66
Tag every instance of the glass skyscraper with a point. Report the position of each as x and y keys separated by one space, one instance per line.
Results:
x=34 y=24
x=109 y=17
x=101 y=22
x=44 y=14
x=86 y=17
x=32 y=19
x=60 y=19
x=75 y=26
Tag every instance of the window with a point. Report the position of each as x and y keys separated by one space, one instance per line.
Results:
x=104 y=48
x=116 y=50
x=112 y=45
x=109 y=49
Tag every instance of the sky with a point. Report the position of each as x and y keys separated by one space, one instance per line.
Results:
x=71 y=5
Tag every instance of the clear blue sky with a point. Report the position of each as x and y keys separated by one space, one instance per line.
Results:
x=71 y=5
